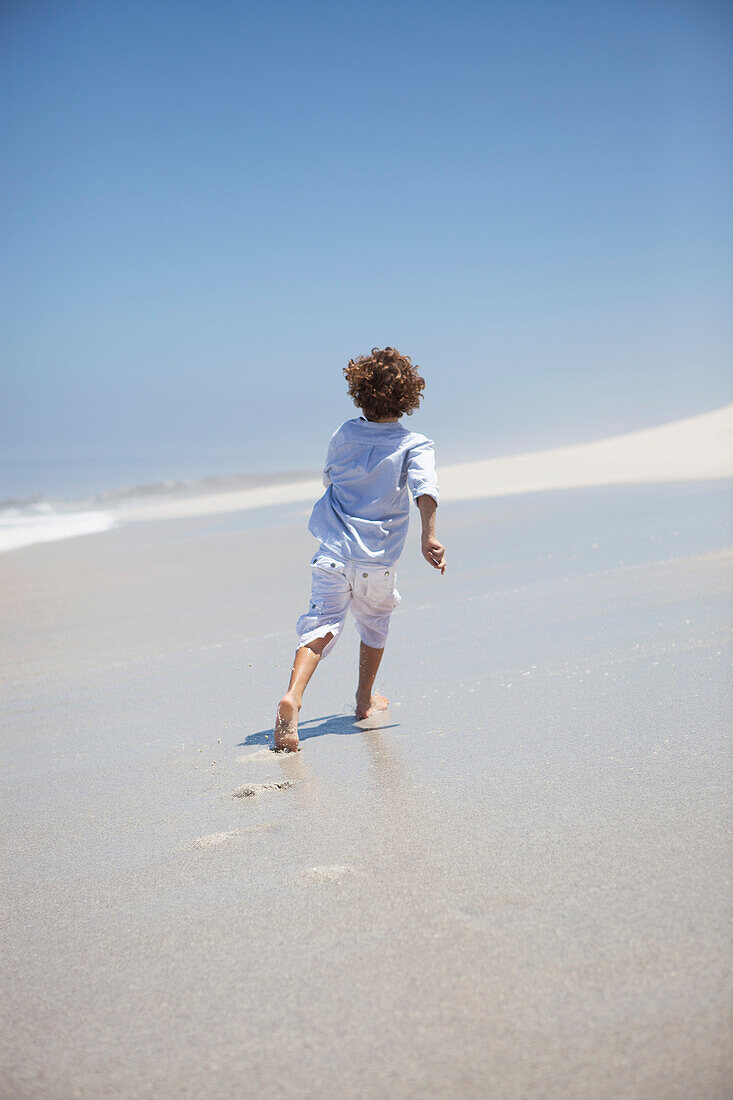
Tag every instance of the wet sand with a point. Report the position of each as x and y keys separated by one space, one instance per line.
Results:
x=512 y=884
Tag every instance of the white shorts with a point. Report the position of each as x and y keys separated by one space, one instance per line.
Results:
x=369 y=590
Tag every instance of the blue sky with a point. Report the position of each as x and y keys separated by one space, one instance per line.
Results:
x=209 y=207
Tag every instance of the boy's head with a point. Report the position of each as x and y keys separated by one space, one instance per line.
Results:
x=384 y=384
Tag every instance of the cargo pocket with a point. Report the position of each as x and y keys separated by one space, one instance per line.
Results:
x=330 y=592
x=381 y=589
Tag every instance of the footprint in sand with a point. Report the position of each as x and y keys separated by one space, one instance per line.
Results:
x=495 y=910
x=326 y=874
x=253 y=757
x=214 y=840
x=251 y=790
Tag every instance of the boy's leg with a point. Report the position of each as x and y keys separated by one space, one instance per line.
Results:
x=367 y=702
x=304 y=665
x=329 y=603
x=375 y=598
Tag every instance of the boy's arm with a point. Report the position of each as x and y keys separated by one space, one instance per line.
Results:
x=422 y=482
x=432 y=550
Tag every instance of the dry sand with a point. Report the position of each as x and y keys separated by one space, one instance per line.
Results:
x=514 y=885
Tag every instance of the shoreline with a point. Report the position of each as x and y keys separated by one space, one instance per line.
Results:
x=696 y=448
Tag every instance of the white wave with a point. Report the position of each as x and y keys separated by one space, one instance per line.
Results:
x=23 y=529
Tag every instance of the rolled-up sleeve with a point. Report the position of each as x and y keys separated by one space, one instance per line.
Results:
x=422 y=479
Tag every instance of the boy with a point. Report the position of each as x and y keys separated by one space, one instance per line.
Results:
x=372 y=466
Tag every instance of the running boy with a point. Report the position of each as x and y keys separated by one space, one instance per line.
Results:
x=372 y=466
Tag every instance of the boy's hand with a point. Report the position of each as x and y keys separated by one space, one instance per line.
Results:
x=434 y=552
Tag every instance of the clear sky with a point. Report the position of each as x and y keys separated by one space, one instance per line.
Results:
x=210 y=206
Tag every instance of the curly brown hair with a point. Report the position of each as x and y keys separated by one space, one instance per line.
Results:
x=384 y=384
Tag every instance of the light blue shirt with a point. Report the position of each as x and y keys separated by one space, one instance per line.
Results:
x=371 y=470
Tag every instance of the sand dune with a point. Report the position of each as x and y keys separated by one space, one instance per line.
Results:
x=696 y=448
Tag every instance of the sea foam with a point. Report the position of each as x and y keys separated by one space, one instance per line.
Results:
x=22 y=528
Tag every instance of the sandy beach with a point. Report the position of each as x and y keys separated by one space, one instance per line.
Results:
x=512 y=884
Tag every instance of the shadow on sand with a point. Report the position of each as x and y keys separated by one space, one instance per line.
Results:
x=340 y=725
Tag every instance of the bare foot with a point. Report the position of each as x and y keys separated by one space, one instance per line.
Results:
x=286 y=725
x=375 y=704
